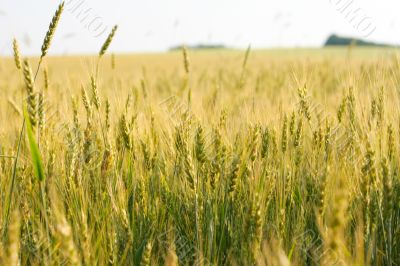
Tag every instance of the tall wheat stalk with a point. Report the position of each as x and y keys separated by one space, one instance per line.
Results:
x=30 y=84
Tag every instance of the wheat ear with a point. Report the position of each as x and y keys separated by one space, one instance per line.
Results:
x=17 y=54
x=52 y=28
x=108 y=41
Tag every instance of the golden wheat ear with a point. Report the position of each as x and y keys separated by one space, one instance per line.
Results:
x=146 y=255
x=17 y=54
x=95 y=93
x=52 y=28
x=186 y=62
x=30 y=89
x=108 y=41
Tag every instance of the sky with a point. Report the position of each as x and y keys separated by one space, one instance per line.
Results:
x=157 y=25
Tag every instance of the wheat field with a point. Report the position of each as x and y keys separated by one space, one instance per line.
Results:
x=219 y=157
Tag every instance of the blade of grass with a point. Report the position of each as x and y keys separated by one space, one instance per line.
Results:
x=36 y=158
x=38 y=168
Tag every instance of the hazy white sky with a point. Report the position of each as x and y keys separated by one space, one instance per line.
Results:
x=156 y=25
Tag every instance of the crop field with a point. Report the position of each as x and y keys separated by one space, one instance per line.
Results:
x=215 y=157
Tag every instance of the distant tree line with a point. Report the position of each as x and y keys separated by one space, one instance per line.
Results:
x=335 y=40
